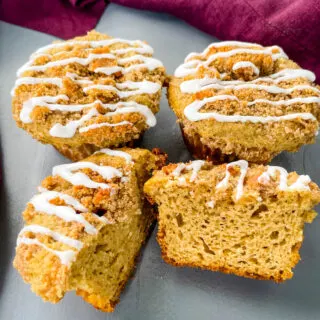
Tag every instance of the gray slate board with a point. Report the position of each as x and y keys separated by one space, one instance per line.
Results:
x=157 y=291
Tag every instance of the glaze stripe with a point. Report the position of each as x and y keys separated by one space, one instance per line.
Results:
x=301 y=184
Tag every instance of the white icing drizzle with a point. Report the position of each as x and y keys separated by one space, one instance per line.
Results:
x=136 y=61
x=147 y=62
x=41 y=202
x=136 y=88
x=142 y=87
x=44 y=101
x=192 y=110
x=83 y=61
x=302 y=183
x=130 y=107
x=223 y=44
x=210 y=204
x=288 y=102
x=75 y=78
x=246 y=64
x=288 y=74
x=66 y=171
x=243 y=165
x=195 y=166
x=120 y=108
x=69 y=130
x=49 y=195
x=54 y=235
x=197 y=85
x=42 y=189
x=66 y=257
x=105 y=124
x=33 y=81
x=192 y=66
x=145 y=50
x=116 y=153
x=177 y=171
x=194 y=60
x=109 y=70
x=101 y=43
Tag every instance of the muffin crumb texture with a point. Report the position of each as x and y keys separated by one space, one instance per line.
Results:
x=235 y=218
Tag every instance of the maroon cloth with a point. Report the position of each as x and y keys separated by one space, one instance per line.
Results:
x=62 y=18
x=292 y=24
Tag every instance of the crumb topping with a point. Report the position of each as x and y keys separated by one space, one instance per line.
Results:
x=244 y=82
x=81 y=198
x=237 y=176
x=81 y=88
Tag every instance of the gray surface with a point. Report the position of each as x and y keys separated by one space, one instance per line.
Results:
x=158 y=291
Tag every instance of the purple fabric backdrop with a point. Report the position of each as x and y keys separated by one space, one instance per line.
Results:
x=62 y=18
x=291 y=24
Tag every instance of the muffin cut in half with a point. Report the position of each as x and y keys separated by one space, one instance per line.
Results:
x=239 y=100
x=232 y=218
x=85 y=228
x=88 y=93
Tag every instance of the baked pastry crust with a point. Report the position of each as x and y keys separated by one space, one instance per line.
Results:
x=84 y=230
x=238 y=100
x=235 y=218
x=88 y=93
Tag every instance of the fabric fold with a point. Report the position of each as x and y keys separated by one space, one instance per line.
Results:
x=62 y=18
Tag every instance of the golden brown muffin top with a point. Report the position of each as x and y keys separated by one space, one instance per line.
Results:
x=243 y=82
x=88 y=86
x=82 y=197
x=237 y=181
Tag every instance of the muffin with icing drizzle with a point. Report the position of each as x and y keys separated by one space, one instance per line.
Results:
x=85 y=227
x=88 y=93
x=238 y=100
x=234 y=218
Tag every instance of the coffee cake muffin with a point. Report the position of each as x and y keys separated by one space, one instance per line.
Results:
x=88 y=93
x=86 y=226
x=238 y=100
x=235 y=218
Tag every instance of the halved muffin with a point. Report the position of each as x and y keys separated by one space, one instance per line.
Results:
x=85 y=228
x=239 y=100
x=235 y=218
x=88 y=93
